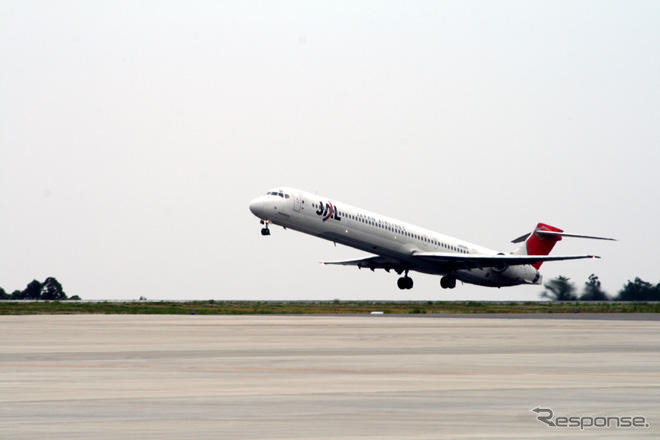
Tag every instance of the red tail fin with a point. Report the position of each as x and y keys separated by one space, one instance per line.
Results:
x=541 y=246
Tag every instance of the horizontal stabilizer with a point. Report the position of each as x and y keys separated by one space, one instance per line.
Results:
x=566 y=234
x=548 y=234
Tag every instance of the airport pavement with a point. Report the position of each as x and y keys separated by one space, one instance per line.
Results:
x=323 y=377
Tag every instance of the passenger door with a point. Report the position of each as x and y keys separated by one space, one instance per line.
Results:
x=296 y=202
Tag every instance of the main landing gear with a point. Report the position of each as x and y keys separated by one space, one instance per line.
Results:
x=265 y=230
x=405 y=282
x=447 y=282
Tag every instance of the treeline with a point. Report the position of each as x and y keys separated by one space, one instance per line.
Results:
x=50 y=289
x=561 y=289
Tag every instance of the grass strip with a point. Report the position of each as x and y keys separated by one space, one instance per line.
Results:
x=213 y=307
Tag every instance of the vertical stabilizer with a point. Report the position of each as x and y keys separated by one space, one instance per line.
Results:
x=539 y=244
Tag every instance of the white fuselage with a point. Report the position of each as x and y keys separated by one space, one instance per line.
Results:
x=388 y=237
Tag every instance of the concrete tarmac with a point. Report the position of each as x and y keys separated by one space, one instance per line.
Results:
x=322 y=377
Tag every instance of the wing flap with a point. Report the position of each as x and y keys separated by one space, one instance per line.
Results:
x=372 y=263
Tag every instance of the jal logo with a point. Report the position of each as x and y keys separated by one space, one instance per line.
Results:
x=327 y=211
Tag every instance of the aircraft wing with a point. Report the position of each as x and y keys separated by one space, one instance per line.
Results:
x=455 y=261
x=470 y=261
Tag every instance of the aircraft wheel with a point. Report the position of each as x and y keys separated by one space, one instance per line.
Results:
x=447 y=282
x=265 y=231
x=401 y=282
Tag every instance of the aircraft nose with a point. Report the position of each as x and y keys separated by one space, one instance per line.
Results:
x=257 y=207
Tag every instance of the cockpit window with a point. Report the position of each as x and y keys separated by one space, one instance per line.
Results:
x=279 y=194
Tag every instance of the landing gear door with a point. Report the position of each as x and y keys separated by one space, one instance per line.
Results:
x=296 y=202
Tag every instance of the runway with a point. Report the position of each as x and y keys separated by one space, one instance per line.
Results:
x=322 y=377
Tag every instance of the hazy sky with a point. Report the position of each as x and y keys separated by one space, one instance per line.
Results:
x=134 y=134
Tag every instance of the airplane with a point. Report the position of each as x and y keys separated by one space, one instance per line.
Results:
x=404 y=247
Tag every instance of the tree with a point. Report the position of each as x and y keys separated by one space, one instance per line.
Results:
x=17 y=294
x=561 y=289
x=592 y=290
x=33 y=290
x=52 y=290
x=639 y=290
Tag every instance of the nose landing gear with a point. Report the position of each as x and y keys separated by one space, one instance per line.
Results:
x=265 y=230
